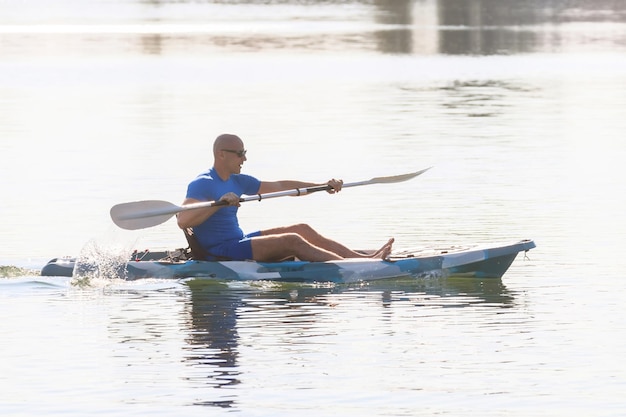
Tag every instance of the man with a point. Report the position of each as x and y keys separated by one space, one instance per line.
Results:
x=217 y=228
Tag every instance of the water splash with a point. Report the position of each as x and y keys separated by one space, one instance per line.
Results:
x=100 y=262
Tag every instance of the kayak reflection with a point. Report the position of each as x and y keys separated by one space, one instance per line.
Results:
x=231 y=323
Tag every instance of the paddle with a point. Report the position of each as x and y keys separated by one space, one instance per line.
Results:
x=142 y=214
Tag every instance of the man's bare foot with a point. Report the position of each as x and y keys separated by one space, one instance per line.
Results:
x=385 y=251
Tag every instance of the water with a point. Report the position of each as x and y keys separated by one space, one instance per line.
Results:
x=519 y=106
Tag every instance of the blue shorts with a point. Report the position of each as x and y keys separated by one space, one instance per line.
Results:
x=236 y=250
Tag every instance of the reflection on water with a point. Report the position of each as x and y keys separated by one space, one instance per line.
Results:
x=236 y=346
x=424 y=27
x=225 y=320
x=213 y=338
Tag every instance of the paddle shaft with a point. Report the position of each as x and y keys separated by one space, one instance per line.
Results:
x=259 y=197
x=171 y=209
x=143 y=214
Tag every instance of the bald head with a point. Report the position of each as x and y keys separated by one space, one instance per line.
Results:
x=227 y=141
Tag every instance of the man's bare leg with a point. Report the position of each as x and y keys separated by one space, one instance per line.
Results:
x=277 y=247
x=329 y=245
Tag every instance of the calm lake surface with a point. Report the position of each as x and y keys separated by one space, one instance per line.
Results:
x=520 y=107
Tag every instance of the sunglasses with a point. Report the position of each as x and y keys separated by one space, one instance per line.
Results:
x=240 y=154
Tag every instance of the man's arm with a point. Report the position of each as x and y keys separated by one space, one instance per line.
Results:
x=191 y=218
x=275 y=186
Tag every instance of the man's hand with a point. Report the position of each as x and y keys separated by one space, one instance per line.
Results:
x=335 y=185
x=231 y=199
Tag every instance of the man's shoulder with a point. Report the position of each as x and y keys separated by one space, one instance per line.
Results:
x=205 y=175
x=248 y=183
x=244 y=177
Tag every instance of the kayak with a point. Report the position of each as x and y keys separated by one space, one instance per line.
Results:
x=480 y=261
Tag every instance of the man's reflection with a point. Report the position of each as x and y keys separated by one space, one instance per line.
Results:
x=213 y=338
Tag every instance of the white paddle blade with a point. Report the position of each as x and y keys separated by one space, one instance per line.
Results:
x=388 y=180
x=142 y=223
x=398 y=178
x=142 y=214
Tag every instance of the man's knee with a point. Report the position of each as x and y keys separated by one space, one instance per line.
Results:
x=293 y=239
x=303 y=229
x=278 y=246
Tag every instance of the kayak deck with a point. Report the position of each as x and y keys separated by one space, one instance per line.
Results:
x=482 y=261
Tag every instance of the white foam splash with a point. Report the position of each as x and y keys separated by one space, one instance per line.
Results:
x=98 y=261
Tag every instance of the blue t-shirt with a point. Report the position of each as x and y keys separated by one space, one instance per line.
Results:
x=223 y=225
